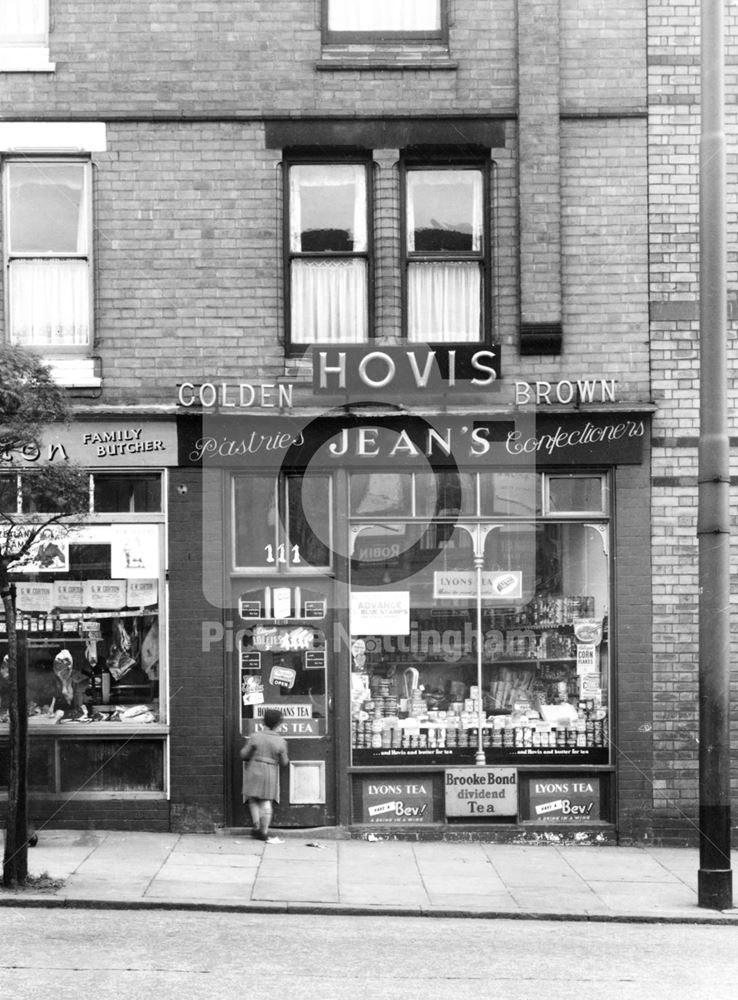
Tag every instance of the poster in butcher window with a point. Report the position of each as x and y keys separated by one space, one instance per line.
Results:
x=134 y=550
x=48 y=554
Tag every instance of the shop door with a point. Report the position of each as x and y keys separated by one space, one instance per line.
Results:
x=284 y=661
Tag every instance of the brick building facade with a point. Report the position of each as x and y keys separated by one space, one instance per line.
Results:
x=192 y=122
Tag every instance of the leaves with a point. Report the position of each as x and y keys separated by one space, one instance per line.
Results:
x=29 y=399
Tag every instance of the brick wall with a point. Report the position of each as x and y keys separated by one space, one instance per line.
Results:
x=633 y=748
x=187 y=246
x=109 y=814
x=674 y=87
x=605 y=250
x=235 y=57
x=196 y=666
x=603 y=56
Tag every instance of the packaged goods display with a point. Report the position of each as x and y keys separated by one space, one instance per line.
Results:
x=418 y=695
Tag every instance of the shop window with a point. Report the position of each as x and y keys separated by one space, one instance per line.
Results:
x=328 y=267
x=39 y=495
x=47 y=252
x=445 y=254
x=441 y=494
x=138 y=493
x=409 y=20
x=445 y=494
x=9 y=498
x=532 y=685
x=506 y=494
x=90 y=636
x=387 y=493
x=575 y=494
x=111 y=493
x=282 y=524
x=88 y=625
x=87 y=600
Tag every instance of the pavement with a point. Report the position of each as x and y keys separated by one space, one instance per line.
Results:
x=322 y=872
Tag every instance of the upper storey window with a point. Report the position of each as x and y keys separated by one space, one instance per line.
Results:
x=24 y=35
x=446 y=253
x=355 y=20
x=329 y=252
x=47 y=254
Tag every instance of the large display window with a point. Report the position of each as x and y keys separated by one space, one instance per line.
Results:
x=480 y=621
x=91 y=635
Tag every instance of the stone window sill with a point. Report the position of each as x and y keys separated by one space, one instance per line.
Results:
x=394 y=57
x=75 y=373
x=25 y=59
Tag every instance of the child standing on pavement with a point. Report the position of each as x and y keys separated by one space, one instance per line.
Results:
x=262 y=754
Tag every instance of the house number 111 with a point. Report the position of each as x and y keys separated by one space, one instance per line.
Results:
x=282 y=553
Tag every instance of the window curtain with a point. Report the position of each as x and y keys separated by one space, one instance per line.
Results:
x=50 y=303
x=24 y=21
x=384 y=15
x=444 y=301
x=309 y=177
x=328 y=301
x=440 y=179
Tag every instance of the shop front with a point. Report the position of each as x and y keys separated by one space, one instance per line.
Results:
x=91 y=625
x=432 y=603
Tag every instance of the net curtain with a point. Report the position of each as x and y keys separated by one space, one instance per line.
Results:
x=24 y=21
x=384 y=15
x=50 y=296
x=444 y=297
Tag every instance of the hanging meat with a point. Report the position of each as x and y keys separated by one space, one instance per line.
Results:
x=120 y=660
x=150 y=651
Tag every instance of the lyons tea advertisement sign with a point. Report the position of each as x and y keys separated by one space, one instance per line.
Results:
x=397 y=800
x=564 y=800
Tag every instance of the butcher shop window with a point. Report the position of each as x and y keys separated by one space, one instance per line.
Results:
x=90 y=640
x=139 y=493
x=110 y=493
x=88 y=593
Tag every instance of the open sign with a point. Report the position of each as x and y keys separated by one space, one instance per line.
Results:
x=282 y=677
